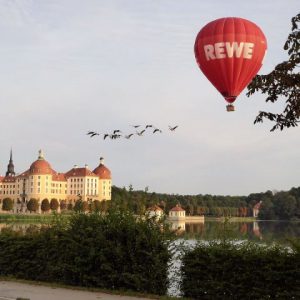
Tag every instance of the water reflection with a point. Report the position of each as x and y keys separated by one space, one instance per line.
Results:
x=266 y=231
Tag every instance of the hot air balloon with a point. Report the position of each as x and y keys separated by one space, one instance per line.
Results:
x=230 y=51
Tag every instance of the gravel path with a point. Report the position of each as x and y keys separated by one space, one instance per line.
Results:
x=10 y=290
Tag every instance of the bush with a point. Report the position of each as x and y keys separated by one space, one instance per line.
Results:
x=248 y=271
x=84 y=206
x=54 y=204
x=78 y=206
x=63 y=204
x=97 y=205
x=33 y=205
x=114 y=251
x=7 y=204
x=45 y=205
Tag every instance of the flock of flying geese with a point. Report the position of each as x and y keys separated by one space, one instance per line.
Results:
x=116 y=134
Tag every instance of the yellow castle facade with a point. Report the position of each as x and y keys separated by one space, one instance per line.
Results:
x=40 y=182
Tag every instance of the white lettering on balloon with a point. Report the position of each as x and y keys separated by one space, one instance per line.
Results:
x=227 y=49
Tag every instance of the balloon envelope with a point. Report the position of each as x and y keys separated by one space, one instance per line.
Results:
x=230 y=51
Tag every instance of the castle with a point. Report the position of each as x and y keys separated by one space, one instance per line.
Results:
x=40 y=182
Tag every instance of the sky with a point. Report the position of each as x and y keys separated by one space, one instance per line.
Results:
x=70 y=66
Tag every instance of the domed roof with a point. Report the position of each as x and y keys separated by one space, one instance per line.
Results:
x=101 y=171
x=40 y=166
x=177 y=208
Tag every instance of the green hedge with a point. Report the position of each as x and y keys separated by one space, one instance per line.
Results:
x=247 y=271
x=115 y=251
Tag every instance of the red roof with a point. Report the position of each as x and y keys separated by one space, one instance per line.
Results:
x=102 y=172
x=26 y=173
x=59 y=177
x=9 y=179
x=154 y=208
x=177 y=208
x=79 y=172
x=41 y=166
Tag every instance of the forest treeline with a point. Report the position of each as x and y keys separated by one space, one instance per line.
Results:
x=283 y=205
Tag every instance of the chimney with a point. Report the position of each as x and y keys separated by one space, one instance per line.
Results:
x=75 y=167
x=86 y=166
x=101 y=161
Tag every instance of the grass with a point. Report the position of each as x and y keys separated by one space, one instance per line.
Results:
x=28 y=218
x=89 y=289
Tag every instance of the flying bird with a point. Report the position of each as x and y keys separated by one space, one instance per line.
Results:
x=105 y=136
x=92 y=133
x=115 y=136
x=147 y=126
x=136 y=126
x=140 y=133
x=117 y=131
x=173 y=128
x=157 y=130
x=128 y=136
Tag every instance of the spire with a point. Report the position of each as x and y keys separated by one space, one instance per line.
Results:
x=10 y=167
x=41 y=155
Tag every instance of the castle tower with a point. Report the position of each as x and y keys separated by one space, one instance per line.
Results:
x=10 y=166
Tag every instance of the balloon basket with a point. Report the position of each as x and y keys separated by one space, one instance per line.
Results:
x=230 y=107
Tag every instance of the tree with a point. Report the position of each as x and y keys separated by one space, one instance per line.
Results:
x=97 y=205
x=266 y=211
x=63 y=204
x=84 y=206
x=45 y=205
x=33 y=205
x=283 y=81
x=54 y=204
x=284 y=205
x=78 y=205
x=7 y=204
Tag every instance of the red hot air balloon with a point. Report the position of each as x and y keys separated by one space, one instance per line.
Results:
x=229 y=51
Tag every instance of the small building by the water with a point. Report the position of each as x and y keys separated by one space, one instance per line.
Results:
x=155 y=211
x=177 y=213
x=256 y=209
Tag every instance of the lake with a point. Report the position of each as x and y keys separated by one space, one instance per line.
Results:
x=259 y=231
